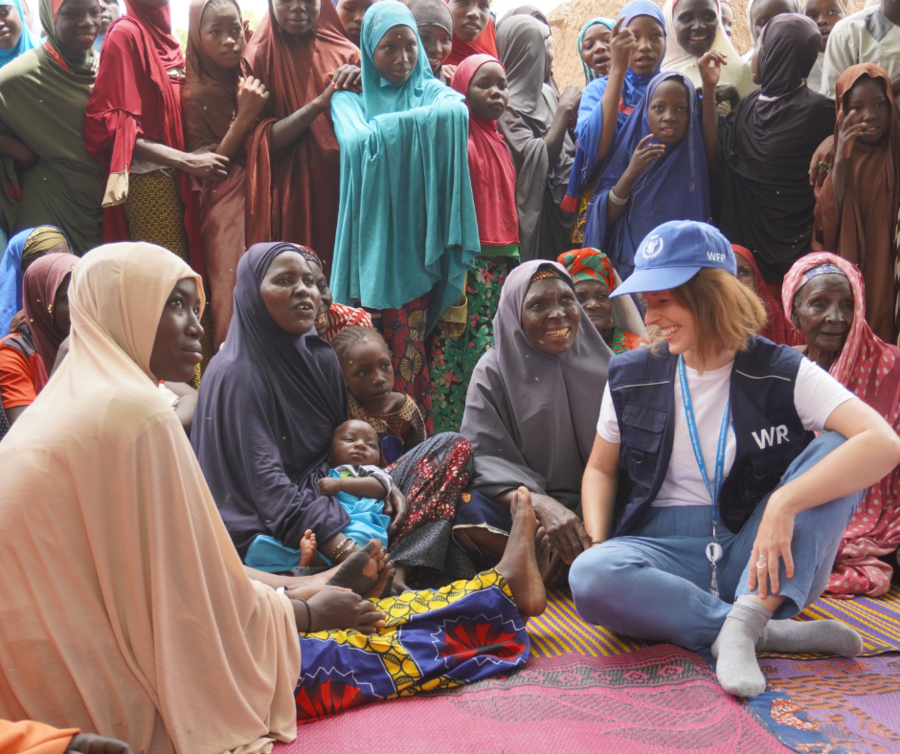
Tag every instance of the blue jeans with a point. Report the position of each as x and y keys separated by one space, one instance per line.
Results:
x=653 y=584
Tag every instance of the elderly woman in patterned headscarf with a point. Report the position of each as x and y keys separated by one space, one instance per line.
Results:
x=617 y=320
x=825 y=296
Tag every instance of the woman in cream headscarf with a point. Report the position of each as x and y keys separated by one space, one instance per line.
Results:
x=693 y=28
x=125 y=608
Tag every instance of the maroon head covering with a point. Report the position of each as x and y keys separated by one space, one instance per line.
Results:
x=209 y=99
x=295 y=196
x=157 y=24
x=42 y=279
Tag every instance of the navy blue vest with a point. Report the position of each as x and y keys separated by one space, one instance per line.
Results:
x=768 y=431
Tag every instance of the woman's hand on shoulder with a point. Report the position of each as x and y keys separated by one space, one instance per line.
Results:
x=568 y=536
x=347 y=78
x=821 y=163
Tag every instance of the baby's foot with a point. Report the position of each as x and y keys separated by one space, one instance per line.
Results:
x=308 y=549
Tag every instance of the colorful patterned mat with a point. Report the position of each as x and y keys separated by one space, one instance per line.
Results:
x=654 y=700
x=560 y=630
x=833 y=705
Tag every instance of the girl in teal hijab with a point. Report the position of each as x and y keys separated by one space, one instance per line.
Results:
x=26 y=41
x=407 y=228
x=590 y=72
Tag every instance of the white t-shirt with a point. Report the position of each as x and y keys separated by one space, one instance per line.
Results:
x=816 y=395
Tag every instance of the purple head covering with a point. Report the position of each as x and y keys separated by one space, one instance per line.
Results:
x=269 y=405
x=532 y=417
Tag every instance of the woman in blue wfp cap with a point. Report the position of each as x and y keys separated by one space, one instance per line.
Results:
x=714 y=511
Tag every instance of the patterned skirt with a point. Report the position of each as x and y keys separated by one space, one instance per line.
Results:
x=404 y=331
x=433 y=640
x=432 y=476
x=155 y=214
x=581 y=218
x=453 y=359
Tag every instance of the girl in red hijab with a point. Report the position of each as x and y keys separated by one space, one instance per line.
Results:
x=133 y=127
x=466 y=331
x=473 y=30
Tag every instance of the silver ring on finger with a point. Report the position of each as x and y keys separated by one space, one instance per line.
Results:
x=761 y=564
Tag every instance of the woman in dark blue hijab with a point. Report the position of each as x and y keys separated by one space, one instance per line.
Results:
x=270 y=403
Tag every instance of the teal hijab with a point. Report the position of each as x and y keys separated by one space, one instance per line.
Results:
x=589 y=73
x=379 y=94
x=406 y=224
x=26 y=41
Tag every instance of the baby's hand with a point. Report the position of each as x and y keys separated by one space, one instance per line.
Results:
x=329 y=486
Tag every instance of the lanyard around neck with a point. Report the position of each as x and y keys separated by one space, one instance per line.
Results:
x=716 y=487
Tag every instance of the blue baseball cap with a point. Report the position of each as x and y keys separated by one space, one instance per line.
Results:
x=673 y=253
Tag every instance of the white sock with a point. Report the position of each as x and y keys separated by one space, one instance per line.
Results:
x=735 y=648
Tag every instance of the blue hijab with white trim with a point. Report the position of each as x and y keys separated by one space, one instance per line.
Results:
x=675 y=187
x=590 y=114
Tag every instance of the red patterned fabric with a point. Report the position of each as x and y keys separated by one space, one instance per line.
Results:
x=341 y=316
x=404 y=331
x=778 y=327
x=870 y=368
x=433 y=483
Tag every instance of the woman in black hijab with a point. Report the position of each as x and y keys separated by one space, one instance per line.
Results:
x=765 y=202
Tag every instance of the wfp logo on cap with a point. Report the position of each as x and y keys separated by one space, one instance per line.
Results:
x=653 y=247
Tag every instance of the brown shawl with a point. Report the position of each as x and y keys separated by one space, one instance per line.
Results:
x=294 y=197
x=862 y=229
x=209 y=99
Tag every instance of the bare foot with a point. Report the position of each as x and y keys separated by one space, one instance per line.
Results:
x=308 y=548
x=338 y=609
x=383 y=587
x=361 y=571
x=519 y=565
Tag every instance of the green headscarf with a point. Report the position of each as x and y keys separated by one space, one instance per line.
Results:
x=83 y=63
x=402 y=234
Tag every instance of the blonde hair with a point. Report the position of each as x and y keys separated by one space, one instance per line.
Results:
x=727 y=313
